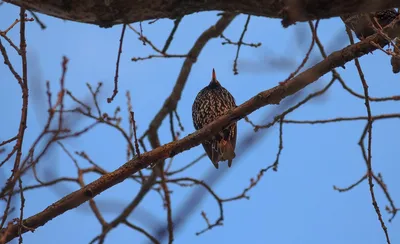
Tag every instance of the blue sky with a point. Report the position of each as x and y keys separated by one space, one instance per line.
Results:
x=297 y=204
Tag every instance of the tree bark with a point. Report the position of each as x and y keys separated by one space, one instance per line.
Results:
x=107 y=13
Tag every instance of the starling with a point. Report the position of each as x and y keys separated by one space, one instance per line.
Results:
x=363 y=26
x=212 y=102
x=362 y=23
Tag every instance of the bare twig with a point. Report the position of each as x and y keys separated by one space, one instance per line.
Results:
x=121 y=40
x=369 y=159
x=167 y=205
x=240 y=42
x=134 y=133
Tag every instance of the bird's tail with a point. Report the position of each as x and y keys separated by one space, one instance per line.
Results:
x=227 y=151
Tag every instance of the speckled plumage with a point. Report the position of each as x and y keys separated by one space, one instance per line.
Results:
x=362 y=23
x=210 y=103
x=363 y=26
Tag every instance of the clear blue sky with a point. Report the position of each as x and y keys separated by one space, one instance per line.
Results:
x=295 y=205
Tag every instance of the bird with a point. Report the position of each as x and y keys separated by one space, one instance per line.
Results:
x=363 y=23
x=210 y=103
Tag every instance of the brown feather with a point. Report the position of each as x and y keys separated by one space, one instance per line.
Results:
x=227 y=151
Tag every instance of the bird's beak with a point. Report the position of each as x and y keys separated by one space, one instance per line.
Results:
x=214 y=77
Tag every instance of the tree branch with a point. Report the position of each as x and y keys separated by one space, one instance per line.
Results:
x=111 y=12
x=271 y=96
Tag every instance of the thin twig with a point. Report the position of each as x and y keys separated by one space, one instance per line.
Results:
x=369 y=159
x=167 y=205
x=121 y=40
x=240 y=42
x=134 y=133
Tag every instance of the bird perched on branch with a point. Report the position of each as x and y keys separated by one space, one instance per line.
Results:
x=364 y=24
x=212 y=102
